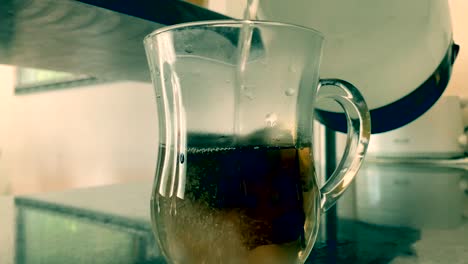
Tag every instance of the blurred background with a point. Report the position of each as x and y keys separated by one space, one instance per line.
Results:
x=105 y=133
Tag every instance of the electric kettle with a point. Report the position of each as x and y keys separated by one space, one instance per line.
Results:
x=399 y=53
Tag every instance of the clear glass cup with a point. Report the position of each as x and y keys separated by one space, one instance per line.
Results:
x=235 y=180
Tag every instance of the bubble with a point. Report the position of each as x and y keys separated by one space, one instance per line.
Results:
x=182 y=158
x=289 y=92
x=292 y=68
x=271 y=119
x=247 y=91
x=188 y=48
x=228 y=81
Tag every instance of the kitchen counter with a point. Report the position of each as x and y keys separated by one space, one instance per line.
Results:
x=111 y=224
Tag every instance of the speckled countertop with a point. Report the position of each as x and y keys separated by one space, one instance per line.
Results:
x=111 y=224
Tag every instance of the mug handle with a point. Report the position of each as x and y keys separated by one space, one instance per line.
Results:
x=359 y=127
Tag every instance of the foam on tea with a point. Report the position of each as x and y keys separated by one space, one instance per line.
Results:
x=240 y=203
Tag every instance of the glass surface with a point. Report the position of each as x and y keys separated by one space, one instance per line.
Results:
x=235 y=179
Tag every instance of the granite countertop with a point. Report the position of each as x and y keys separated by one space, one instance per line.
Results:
x=111 y=224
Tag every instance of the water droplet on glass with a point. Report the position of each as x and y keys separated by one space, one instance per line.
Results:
x=249 y=95
x=182 y=158
x=289 y=92
x=189 y=48
x=173 y=208
x=247 y=91
x=292 y=68
x=223 y=138
x=270 y=119
x=247 y=87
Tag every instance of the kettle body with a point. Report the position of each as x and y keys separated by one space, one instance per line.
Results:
x=398 y=53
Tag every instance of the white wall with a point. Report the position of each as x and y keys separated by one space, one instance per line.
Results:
x=459 y=81
x=95 y=135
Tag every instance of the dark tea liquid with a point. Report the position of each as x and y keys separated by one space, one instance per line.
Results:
x=239 y=204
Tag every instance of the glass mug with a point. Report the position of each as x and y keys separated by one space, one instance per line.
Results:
x=235 y=179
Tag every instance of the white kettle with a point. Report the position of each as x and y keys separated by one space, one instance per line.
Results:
x=398 y=53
